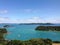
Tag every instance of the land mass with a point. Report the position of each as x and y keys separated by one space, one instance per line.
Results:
x=48 y=28
x=36 y=24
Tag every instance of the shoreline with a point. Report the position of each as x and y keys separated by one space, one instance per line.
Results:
x=48 y=31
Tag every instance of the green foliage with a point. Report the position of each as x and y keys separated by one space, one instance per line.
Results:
x=28 y=42
x=3 y=30
x=14 y=42
x=48 y=28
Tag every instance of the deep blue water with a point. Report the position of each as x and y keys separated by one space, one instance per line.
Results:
x=26 y=32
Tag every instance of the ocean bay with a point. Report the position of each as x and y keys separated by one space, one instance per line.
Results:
x=26 y=32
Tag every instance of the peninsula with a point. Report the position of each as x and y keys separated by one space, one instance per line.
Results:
x=48 y=28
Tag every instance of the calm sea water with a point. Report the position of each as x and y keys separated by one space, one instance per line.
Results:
x=26 y=32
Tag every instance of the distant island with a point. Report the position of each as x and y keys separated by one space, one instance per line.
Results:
x=36 y=24
x=7 y=26
x=48 y=28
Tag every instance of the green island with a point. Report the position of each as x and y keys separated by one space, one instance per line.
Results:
x=38 y=41
x=48 y=28
x=6 y=26
x=36 y=24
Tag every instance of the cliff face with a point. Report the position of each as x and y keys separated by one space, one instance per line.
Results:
x=48 y=28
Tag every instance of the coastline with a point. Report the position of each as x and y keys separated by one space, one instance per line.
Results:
x=47 y=31
x=48 y=28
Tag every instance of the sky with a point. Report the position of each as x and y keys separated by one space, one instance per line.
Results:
x=29 y=11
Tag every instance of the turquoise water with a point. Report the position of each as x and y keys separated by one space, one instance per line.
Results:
x=26 y=32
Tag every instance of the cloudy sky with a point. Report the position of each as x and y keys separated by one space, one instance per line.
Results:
x=29 y=11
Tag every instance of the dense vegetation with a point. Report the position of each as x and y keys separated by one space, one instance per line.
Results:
x=2 y=32
x=28 y=42
x=48 y=28
x=56 y=41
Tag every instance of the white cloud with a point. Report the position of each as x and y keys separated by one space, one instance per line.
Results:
x=54 y=21
x=37 y=20
x=6 y=20
x=30 y=20
x=3 y=11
